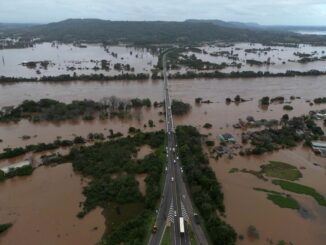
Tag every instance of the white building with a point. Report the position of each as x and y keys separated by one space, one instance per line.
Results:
x=16 y=165
x=319 y=147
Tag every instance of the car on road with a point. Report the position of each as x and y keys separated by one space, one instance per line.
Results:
x=154 y=229
x=172 y=179
x=196 y=218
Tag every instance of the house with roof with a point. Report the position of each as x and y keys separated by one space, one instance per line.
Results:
x=227 y=138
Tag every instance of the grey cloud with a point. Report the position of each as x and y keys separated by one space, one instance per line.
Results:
x=300 y=12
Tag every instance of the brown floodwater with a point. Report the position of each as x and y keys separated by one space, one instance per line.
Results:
x=281 y=58
x=43 y=209
x=82 y=59
x=244 y=206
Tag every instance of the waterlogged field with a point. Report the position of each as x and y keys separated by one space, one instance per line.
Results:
x=273 y=58
x=70 y=59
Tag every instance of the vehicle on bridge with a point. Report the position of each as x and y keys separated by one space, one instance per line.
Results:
x=196 y=218
x=182 y=225
x=154 y=229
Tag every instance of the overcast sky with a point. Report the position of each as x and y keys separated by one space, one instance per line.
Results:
x=292 y=12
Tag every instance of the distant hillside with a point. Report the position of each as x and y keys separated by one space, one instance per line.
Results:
x=13 y=26
x=233 y=24
x=255 y=26
x=151 y=32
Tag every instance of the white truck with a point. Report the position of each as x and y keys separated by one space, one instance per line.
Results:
x=182 y=225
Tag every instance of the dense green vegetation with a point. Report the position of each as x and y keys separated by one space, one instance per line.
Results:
x=131 y=232
x=281 y=170
x=104 y=160
x=4 y=227
x=75 y=77
x=155 y=76
x=242 y=74
x=53 y=110
x=180 y=108
x=301 y=189
x=290 y=134
x=205 y=190
x=14 y=152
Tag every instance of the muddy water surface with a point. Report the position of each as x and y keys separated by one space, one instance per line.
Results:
x=244 y=206
x=64 y=56
x=43 y=209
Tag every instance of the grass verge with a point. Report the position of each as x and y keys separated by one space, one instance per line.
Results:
x=166 y=240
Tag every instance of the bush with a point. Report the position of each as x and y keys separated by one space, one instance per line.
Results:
x=210 y=143
x=253 y=232
x=179 y=107
x=198 y=100
x=265 y=100
x=4 y=227
x=207 y=125
x=287 y=108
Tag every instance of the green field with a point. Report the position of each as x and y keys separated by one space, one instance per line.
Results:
x=281 y=170
x=280 y=199
x=301 y=189
x=283 y=201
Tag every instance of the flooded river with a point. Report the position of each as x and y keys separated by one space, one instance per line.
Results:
x=43 y=209
x=67 y=59
x=56 y=192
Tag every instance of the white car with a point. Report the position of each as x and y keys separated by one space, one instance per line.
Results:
x=172 y=179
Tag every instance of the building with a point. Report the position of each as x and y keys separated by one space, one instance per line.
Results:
x=16 y=165
x=227 y=138
x=319 y=147
x=320 y=115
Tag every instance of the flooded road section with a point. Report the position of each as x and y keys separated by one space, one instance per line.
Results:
x=244 y=206
x=43 y=209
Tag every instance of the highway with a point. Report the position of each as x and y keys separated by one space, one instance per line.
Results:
x=175 y=201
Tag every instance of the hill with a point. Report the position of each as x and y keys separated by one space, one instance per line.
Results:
x=153 y=32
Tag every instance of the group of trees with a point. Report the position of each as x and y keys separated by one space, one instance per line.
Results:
x=204 y=188
x=180 y=108
x=292 y=132
x=40 y=147
x=53 y=110
x=242 y=74
x=103 y=160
